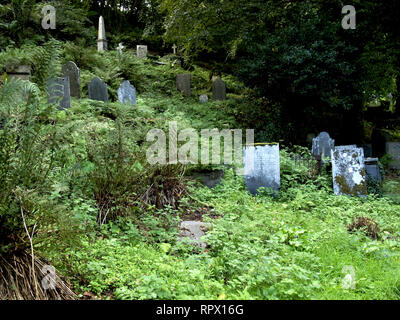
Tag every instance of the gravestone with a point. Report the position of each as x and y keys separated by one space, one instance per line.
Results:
x=98 y=90
x=322 y=146
x=393 y=148
x=141 y=51
x=71 y=71
x=174 y=47
x=348 y=171
x=58 y=92
x=203 y=98
x=219 y=89
x=22 y=72
x=261 y=167
x=101 y=40
x=209 y=179
x=372 y=169
x=127 y=93
x=183 y=83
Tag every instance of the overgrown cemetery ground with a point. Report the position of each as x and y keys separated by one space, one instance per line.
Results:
x=116 y=226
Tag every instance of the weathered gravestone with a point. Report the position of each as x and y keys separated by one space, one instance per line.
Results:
x=71 y=71
x=127 y=93
x=322 y=146
x=393 y=148
x=372 y=170
x=203 y=98
x=141 y=51
x=261 y=167
x=183 y=83
x=101 y=41
x=58 y=92
x=22 y=72
x=219 y=89
x=120 y=48
x=98 y=90
x=348 y=171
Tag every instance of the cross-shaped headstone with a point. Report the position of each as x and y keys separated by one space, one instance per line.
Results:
x=174 y=47
x=120 y=47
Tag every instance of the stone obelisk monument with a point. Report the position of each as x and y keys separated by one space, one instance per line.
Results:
x=101 y=41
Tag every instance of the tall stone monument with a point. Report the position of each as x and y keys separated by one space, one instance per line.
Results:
x=71 y=71
x=102 y=41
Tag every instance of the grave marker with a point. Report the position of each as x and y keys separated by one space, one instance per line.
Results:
x=219 y=89
x=141 y=51
x=322 y=146
x=127 y=93
x=203 y=98
x=183 y=83
x=58 y=91
x=261 y=167
x=98 y=90
x=71 y=71
x=102 y=41
x=348 y=171
x=393 y=148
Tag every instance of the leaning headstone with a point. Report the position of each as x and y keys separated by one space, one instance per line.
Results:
x=219 y=89
x=22 y=72
x=261 y=167
x=322 y=146
x=203 y=98
x=127 y=93
x=183 y=83
x=98 y=90
x=101 y=40
x=372 y=169
x=393 y=148
x=71 y=71
x=348 y=171
x=141 y=51
x=58 y=92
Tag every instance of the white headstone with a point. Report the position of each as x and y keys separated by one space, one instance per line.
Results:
x=120 y=48
x=322 y=146
x=348 y=171
x=261 y=167
x=203 y=98
x=141 y=51
x=174 y=47
x=101 y=40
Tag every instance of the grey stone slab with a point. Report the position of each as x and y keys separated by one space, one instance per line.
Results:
x=141 y=51
x=58 y=92
x=210 y=179
x=393 y=148
x=194 y=231
x=373 y=172
x=22 y=72
x=98 y=90
x=183 y=83
x=322 y=146
x=219 y=89
x=127 y=93
x=348 y=171
x=203 y=98
x=71 y=71
x=261 y=167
